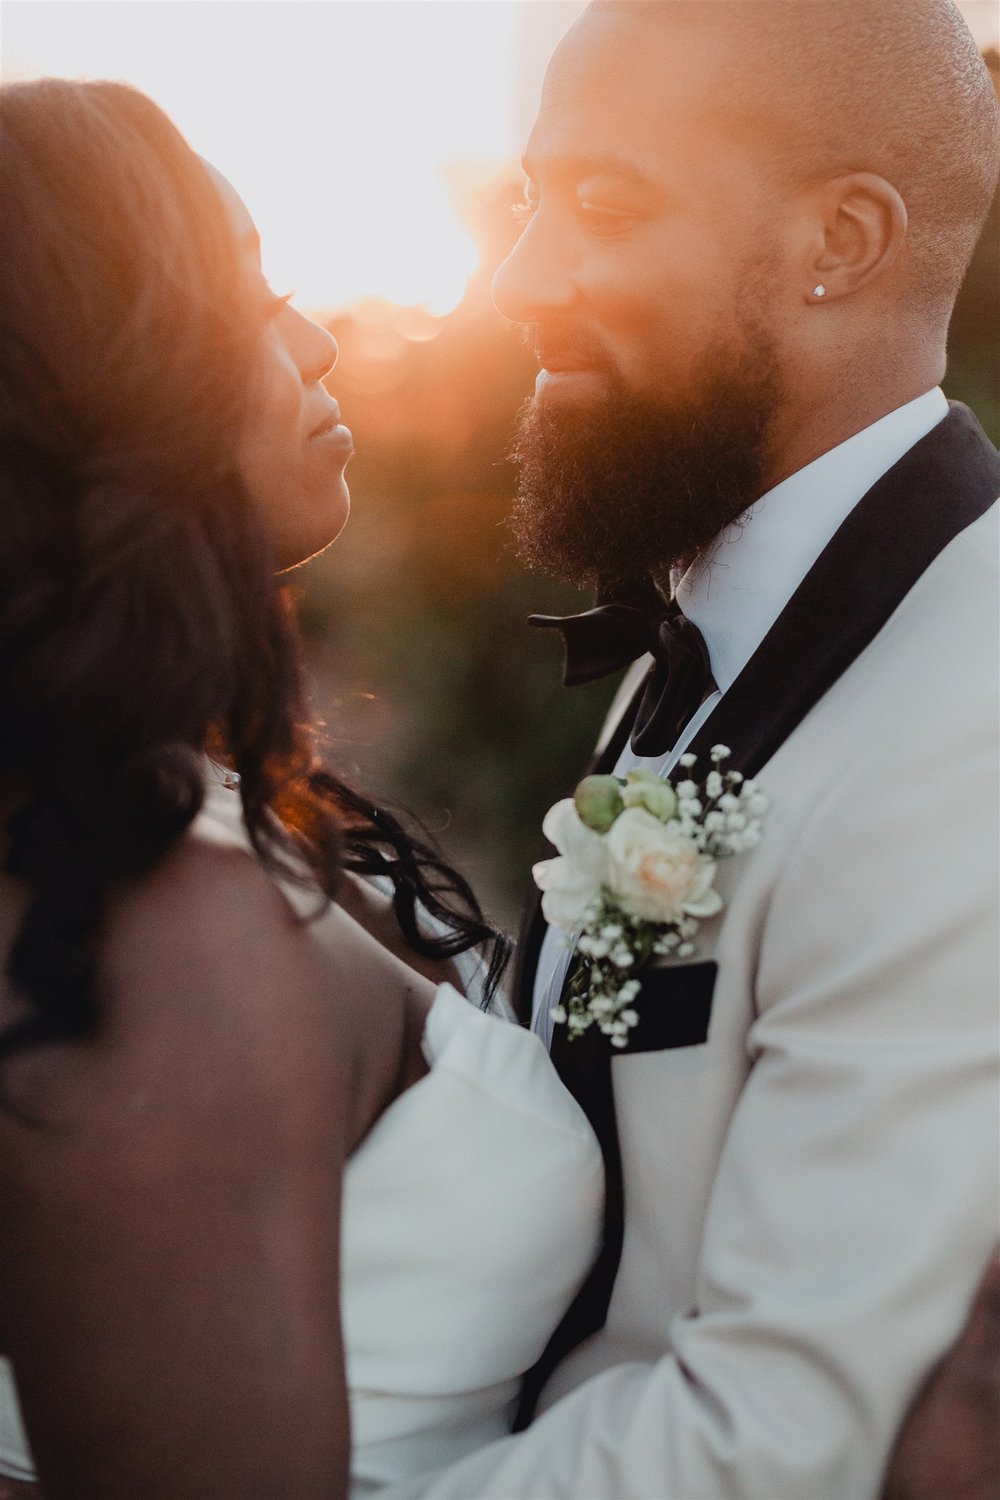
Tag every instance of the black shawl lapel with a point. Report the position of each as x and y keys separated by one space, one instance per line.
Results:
x=944 y=483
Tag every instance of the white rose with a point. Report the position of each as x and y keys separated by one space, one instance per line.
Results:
x=655 y=871
x=570 y=883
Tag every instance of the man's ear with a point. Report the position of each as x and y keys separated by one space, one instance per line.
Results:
x=858 y=227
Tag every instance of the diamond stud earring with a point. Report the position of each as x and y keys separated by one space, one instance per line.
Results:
x=819 y=291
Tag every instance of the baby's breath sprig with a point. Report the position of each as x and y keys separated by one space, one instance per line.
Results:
x=634 y=878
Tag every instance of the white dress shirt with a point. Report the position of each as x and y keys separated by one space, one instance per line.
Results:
x=737 y=591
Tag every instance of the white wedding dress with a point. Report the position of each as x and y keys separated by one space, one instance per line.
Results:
x=471 y=1214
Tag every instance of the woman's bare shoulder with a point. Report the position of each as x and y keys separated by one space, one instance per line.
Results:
x=206 y=971
x=175 y=1205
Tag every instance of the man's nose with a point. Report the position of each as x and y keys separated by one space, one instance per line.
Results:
x=534 y=280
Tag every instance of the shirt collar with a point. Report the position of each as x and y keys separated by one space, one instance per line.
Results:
x=735 y=594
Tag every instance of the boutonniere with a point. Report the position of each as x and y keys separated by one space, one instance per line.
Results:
x=634 y=877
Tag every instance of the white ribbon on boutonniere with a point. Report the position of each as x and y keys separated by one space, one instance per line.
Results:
x=634 y=876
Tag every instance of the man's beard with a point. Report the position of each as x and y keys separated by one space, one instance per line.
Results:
x=633 y=488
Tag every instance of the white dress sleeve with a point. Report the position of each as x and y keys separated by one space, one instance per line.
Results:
x=471 y=1215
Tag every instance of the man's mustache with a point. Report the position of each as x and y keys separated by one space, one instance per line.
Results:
x=563 y=348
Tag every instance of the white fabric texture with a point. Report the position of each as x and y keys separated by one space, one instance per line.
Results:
x=472 y=1211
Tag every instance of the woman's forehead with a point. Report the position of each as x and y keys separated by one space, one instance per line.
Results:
x=239 y=214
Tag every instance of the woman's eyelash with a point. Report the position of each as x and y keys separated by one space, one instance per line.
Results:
x=278 y=304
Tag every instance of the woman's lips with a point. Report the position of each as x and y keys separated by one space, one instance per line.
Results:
x=332 y=432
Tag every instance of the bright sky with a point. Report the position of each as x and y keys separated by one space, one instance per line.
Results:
x=335 y=119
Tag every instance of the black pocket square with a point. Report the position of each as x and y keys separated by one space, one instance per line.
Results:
x=674 y=1006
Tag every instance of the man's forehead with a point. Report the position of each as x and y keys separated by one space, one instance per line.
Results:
x=620 y=95
x=643 y=42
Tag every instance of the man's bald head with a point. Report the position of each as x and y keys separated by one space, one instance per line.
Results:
x=745 y=225
x=893 y=87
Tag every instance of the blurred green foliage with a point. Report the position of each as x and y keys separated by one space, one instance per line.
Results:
x=435 y=693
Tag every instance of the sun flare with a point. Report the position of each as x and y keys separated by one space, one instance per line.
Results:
x=337 y=122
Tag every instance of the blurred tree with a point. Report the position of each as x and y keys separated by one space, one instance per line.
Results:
x=974 y=337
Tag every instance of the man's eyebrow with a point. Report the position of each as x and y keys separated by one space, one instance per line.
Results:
x=593 y=164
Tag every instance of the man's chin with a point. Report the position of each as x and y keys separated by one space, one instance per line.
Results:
x=619 y=487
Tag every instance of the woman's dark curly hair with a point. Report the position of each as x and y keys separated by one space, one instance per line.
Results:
x=140 y=618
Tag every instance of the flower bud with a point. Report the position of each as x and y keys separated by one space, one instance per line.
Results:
x=598 y=801
x=646 y=789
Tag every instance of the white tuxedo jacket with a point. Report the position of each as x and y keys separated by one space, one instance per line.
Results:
x=811 y=1185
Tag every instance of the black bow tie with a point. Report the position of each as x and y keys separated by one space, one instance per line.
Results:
x=613 y=635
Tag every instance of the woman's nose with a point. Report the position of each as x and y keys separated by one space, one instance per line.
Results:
x=315 y=348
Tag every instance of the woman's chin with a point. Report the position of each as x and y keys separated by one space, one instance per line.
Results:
x=296 y=545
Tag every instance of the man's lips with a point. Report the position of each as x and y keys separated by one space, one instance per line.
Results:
x=562 y=359
x=570 y=371
x=569 y=382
